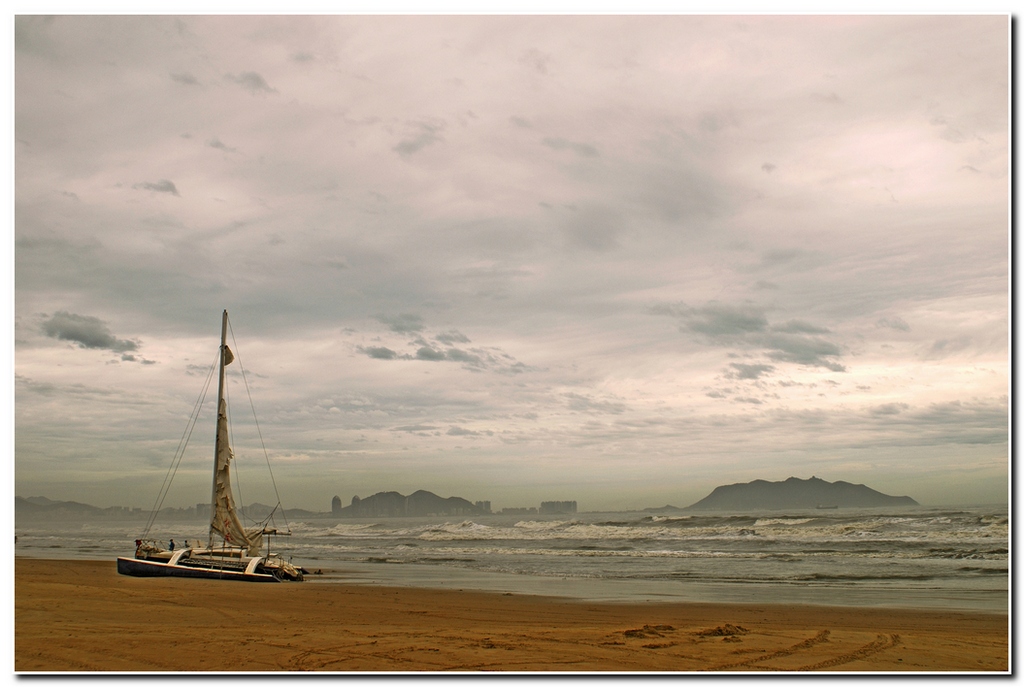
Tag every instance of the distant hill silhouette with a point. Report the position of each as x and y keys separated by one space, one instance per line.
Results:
x=42 y=508
x=259 y=511
x=797 y=493
x=663 y=509
x=40 y=504
x=383 y=504
x=419 y=503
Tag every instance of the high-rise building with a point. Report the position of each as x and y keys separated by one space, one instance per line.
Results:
x=555 y=507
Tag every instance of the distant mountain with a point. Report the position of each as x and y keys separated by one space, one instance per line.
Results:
x=42 y=508
x=419 y=503
x=259 y=511
x=663 y=509
x=797 y=493
x=42 y=500
x=41 y=504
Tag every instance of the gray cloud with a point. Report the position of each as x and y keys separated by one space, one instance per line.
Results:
x=718 y=321
x=587 y=404
x=894 y=323
x=581 y=149
x=803 y=350
x=428 y=353
x=405 y=322
x=427 y=134
x=948 y=346
x=454 y=336
x=186 y=79
x=461 y=356
x=87 y=331
x=436 y=349
x=162 y=186
x=129 y=358
x=966 y=423
x=216 y=143
x=456 y=431
x=799 y=327
x=750 y=371
x=252 y=82
x=32 y=34
x=746 y=326
x=783 y=264
x=379 y=352
x=416 y=429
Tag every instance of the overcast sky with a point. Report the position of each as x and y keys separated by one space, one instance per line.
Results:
x=619 y=260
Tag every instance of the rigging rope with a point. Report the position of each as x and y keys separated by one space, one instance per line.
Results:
x=179 y=452
x=187 y=434
x=266 y=455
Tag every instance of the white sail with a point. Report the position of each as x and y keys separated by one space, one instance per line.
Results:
x=224 y=520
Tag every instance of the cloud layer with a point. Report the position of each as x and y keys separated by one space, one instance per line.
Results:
x=615 y=259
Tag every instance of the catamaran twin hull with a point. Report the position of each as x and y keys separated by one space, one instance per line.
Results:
x=246 y=571
x=153 y=561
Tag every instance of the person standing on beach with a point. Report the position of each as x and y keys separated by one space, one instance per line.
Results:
x=172 y=545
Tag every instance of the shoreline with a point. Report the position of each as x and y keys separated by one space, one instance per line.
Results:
x=81 y=616
x=604 y=590
x=618 y=591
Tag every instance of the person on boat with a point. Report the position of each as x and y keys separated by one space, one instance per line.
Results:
x=172 y=545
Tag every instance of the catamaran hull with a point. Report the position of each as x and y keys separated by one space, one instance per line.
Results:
x=232 y=560
x=137 y=567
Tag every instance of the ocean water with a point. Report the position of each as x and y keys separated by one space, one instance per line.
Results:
x=955 y=558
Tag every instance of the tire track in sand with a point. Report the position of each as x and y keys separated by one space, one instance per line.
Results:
x=806 y=644
x=321 y=657
x=881 y=643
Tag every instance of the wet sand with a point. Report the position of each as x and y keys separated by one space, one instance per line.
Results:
x=82 y=616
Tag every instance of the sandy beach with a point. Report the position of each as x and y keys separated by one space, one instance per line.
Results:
x=83 y=616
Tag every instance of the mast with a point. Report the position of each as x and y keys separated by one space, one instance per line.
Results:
x=216 y=440
x=223 y=516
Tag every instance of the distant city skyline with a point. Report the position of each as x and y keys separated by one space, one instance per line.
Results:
x=615 y=259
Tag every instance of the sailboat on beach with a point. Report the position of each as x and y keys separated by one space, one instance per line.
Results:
x=233 y=552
